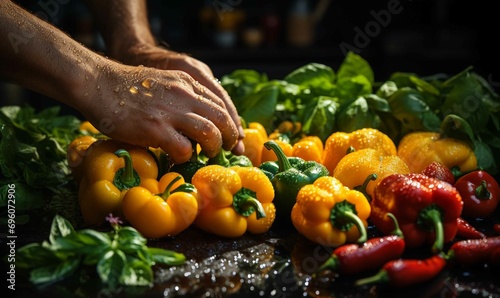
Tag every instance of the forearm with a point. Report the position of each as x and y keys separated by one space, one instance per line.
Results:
x=42 y=58
x=124 y=26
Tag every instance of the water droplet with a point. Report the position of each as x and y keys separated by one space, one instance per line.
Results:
x=117 y=89
x=86 y=94
x=148 y=83
x=133 y=90
x=121 y=103
x=168 y=87
x=98 y=87
x=148 y=94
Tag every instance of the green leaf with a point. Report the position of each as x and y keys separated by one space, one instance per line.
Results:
x=54 y=272
x=136 y=273
x=318 y=117
x=35 y=255
x=60 y=227
x=464 y=97
x=130 y=240
x=357 y=115
x=354 y=65
x=260 y=106
x=25 y=197
x=111 y=266
x=167 y=257
x=485 y=157
x=351 y=88
x=407 y=105
x=313 y=75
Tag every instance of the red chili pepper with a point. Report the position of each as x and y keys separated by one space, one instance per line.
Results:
x=495 y=257
x=480 y=193
x=439 y=171
x=467 y=231
x=473 y=252
x=355 y=258
x=426 y=208
x=407 y=272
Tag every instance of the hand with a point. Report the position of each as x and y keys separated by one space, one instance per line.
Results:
x=150 y=107
x=161 y=58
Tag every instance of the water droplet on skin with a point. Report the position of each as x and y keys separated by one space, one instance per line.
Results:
x=148 y=83
x=168 y=87
x=148 y=94
x=117 y=89
x=86 y=94
x=151 y=117
x=121 y=103
x=98 y=87
x=133 y=90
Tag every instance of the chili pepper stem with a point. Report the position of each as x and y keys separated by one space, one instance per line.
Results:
x=126 y=177
x=283 y=162
x=380 y=277
x=331 y=263
x=397 y=231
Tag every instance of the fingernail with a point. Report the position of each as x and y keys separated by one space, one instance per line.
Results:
x=241 y=131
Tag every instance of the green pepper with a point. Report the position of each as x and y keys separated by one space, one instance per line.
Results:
x=291 y=175
x=188 y=168
x=227 y=159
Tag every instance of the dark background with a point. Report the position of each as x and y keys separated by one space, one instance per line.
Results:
x=425 y=36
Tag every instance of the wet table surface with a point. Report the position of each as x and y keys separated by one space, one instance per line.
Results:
x=279 y=263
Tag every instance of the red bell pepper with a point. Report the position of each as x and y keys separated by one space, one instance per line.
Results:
x=356 y=258
x=480 y=193
x=426 y=209
x=407 y=272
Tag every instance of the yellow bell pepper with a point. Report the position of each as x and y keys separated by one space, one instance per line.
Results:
x=76 y=152
x=234 y=200
x=309 y=148
x=419 y=149
x=339 y=143
x=161 y=208
x=329 y=213
x=364 y=169
x=255 y=137
x=110 y=168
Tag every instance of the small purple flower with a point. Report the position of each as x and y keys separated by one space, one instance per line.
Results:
x=113 y=221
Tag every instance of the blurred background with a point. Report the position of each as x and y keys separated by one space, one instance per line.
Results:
x=275 y=37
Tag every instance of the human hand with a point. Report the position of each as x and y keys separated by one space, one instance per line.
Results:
x=162 y=58
x=151 y=107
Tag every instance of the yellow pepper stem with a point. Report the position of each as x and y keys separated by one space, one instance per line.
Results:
x=362 y=188
x=126 y=177
x=166 y=193
x=343 y=216
x=245 y=203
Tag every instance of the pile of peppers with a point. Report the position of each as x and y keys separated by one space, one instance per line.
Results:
x=329 y=193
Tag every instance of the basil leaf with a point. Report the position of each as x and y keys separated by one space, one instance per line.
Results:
x=167 y=257
x=313 y=75
x=408 y=106
x=130 y=240
x=54 y=272
x=318 y=117
x=35 y=255
x=60 y=227
x=260 y=106
x=136 y=273
x=110 y=267
x=357 y=115
x=354 y=65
